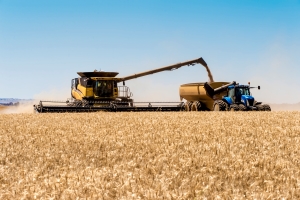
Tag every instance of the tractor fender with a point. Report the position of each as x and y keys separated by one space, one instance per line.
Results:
x=227 y=100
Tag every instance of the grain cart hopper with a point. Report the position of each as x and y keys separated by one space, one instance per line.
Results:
x=220 y=96
x=96 y=91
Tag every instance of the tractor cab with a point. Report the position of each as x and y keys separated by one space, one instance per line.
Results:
x=239 y=94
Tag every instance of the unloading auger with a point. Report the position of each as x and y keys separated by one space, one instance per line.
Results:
x=99 y=91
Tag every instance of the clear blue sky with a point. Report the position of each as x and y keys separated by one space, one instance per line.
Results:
x=44 y=43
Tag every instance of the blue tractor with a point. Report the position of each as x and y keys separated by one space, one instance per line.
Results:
x=238 y=98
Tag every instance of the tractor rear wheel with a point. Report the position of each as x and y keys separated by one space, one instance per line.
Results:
x=266 y=107
x=219 y=105
x=234 y=107
x=242 y=107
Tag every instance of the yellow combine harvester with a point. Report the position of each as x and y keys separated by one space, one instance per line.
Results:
x=96 y=91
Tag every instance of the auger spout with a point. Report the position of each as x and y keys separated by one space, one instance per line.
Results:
x=167 y=68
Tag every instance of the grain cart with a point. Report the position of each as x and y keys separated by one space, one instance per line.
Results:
x=220 y=96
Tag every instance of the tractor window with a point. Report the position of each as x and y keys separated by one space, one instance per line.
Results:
x=231 y=93
x=243 y=91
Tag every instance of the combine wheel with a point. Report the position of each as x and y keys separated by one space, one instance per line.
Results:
x=188 y=106
x=84 y=103
x=234 y=107
x=266 y=107
x=75 y=103
x=219 y=105
x=196 y=106
x=242 y=107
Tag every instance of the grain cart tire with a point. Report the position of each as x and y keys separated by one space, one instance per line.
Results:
x=266 y=107
x=196 y=106
x=242 y=107
x=188 y=105
x=219 y=105
x=260 y=108
x=234 y=107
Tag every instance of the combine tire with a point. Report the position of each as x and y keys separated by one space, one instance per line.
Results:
x=196 y=106
x=188 y=106
x=219 y=105
x=234 y=107
x=242 y=107
x=266 y=107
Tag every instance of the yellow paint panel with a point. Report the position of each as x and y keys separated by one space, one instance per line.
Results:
x=89 y=92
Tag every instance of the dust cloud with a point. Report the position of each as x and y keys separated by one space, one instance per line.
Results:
x=23 y=107
x=27 y=106
x=285 y=107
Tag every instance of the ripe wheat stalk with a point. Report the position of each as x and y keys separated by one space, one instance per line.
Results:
x=185 y=155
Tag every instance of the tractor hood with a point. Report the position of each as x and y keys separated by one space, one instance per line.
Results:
x=247 y=100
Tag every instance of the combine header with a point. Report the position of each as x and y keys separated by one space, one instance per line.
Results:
x=112 y=106
x=99 y=91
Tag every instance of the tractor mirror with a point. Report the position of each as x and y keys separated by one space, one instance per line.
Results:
x=258 y=87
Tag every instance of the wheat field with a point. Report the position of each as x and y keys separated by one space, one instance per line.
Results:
x=184 y=155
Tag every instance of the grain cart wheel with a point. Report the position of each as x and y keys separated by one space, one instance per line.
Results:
x=188 y=106
x=242 y=107
x=219 y=105
x=196 y=106
x=260 y=107
x=234 y=107
x=266 y=107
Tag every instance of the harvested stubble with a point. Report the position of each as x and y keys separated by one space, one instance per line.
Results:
x=253 y=155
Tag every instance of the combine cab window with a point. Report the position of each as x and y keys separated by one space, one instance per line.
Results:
x=86 y=82
x=74 y=83
x=103 y=88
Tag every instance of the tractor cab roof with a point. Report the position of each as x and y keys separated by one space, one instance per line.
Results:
x=238 y=86
x=242 y=86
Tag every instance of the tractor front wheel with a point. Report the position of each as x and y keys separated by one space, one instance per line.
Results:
x=266 y=107
x=234 y=107
x=260 y=107
x=242 y=107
